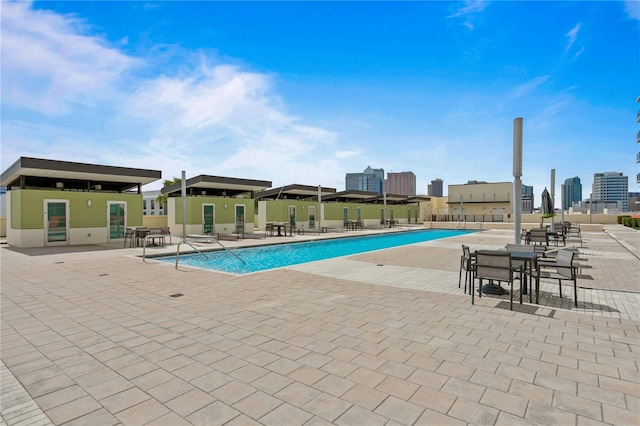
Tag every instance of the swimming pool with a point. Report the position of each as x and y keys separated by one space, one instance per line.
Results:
x=277 y=256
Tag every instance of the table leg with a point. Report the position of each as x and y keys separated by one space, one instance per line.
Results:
x=530 y=278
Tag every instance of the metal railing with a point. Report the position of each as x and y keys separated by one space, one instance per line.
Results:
x=215 y=240
x=469 y=218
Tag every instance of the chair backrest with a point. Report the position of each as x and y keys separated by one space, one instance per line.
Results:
x=520 y=247
x=538 y=236
x=564 y=260
x=466 y=257
x=494 y=265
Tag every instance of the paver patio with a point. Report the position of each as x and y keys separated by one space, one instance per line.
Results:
x=91 y=336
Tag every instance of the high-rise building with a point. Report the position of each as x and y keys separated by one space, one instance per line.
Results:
x=370 y=180
x=434 y=189
x=527 y=199
x=612 y=186
x=572 y=192
x=403 y=183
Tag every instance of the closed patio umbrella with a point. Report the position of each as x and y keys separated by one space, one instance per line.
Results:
x=547 y=209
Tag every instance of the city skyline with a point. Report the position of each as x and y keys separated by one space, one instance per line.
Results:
x=320 y=89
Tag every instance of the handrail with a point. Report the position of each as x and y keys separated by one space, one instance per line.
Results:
x=205 y=256
x=190 y=245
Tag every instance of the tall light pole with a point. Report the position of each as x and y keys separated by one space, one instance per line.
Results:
x=183 y=193
x=517 y=174
x=553 y=196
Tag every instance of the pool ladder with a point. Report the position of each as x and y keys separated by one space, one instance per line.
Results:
x=201 y=253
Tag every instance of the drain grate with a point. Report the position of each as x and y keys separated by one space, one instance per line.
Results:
x=103 y=275
x=57 y=263
x=176 y=295
x=379 y=264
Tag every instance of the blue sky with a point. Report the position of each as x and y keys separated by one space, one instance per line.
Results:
x=305 y=92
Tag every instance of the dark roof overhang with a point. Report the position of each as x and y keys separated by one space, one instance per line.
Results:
x=295 y=191
x=350 y=196
x=219 y=186
x=40 y=173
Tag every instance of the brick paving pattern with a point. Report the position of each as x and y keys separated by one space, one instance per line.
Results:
x=92 y=337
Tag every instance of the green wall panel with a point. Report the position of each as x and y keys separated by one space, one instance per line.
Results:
x=27 y=208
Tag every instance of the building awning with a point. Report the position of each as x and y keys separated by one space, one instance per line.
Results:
x=40 y=173
x=350 y=196
x=217 y=186
x=390 y=198
x=295 y=191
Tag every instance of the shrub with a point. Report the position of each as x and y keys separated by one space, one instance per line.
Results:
x=620 y=219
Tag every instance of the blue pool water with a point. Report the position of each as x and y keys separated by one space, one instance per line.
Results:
x=281 y=255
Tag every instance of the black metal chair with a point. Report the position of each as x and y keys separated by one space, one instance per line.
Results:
x=467 y=265
x=539 y=237
x=561 y=269
x=129 y=234
x=495 y=266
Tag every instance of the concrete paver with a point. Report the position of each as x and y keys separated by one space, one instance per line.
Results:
x=93 y=337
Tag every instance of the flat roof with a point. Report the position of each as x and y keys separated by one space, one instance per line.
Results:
x=296 y=191
x=44 y=173
x=217 y=186
x=350 y=196
x=391 y=199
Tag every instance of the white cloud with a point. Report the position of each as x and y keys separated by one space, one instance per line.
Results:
x=470 y=6
x=527 y=88
x=346 y=154
x=572 y=35
x=632 y=7
x=48 y=64
x=205 y=119
x=229 y=117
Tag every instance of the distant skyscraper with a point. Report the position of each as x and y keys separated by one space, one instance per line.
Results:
x=527 y=199
x=572 y=192
x=370 y=180
x=611 y=186
x=403 y=183
x=435 y=188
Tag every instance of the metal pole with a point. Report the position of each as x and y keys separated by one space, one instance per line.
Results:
x=319 y=208
x=553 y=195
x=384 y=212
x=517 y=183
x=184 y=204
x=562 y=202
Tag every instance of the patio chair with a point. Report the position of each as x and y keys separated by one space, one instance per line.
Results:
x=495 y=266
x=539 y=237
x=140 y=234
x=129 y=234
x=562 y=268
x=466 y=264
x=166 y=231
x=157 y=233
x=573 y=234
x=268 y=229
